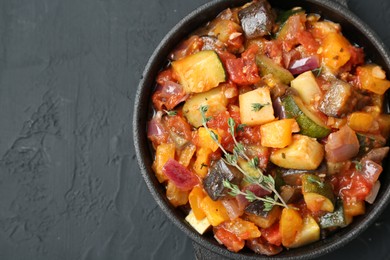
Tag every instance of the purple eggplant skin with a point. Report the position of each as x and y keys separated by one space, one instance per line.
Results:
x=257 y=19
x=213 y=182
x=341 y=99
x=257 y=208
x=261 y=247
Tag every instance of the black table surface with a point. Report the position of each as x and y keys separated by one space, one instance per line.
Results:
x=70 y=187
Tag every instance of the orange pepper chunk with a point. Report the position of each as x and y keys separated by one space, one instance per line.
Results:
x=202 y=161
x=277 y=134
x=164 y=152
x=290 y=225
x=195 y=198
x=335 y=50
x=176 y=196
x=361 y=121
x=214 y=210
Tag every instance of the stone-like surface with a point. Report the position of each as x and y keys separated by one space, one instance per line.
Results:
x=69 y=182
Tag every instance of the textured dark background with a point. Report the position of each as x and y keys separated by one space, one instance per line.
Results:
x=69 y=182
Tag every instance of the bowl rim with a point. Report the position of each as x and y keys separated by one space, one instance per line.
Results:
x=141 y=148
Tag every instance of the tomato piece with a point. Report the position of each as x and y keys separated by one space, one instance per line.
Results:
x=357 y=55
x=250 y=135
x=178 y=125
x=241 y=228
x=230 y=240
x=308 y=42
x=244 y=71
x=272 y=234
x=179 y=175
x=353 y=185
x=274 y=50
x=294 y=26
x=168 y=94
x=220 y=122
x=190 y=46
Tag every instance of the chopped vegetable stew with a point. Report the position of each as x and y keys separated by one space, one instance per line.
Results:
x=269 y=128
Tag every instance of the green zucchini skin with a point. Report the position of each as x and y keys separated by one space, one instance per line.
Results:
x=334 y=219
x=307 y=121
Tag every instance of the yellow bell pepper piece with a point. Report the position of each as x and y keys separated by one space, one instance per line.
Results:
x=277 y=134
x=195 y=198
x=202 y=162
x=360 y=121
x=164 y=152
x=214 y=210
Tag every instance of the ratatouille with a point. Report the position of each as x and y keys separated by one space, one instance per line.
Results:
x=269 y=128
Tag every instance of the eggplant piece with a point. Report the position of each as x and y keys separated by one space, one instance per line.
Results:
x=256 y=208
x=337 y=100
x=260 y=246
x=220 y=171
x=211 y=43
x=293 y=177
x=377 y=154
x=291 y=194
x=367 y=142
x=255 y=213
x=341 y=99
x=257 y=19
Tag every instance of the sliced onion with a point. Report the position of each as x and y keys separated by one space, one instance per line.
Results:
x=342 y=145
x=304 y=64
x=242 y=202
x=155 y=127
x=170 y=94
x=183 y=178
x=257 y=190
x=172 y=88
x=373 y=193
x=232 y=208
x=371 y=170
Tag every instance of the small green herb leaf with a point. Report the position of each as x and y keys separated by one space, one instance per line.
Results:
x=171 y=112
x=240 y=127
x=315 y=181
x=254 y=162
x=257 y=106
x=358 y=165
x=317 y=72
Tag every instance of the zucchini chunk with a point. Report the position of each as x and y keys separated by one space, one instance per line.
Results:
x=304 y=153
x=335 y=218
x=256 y=107
x=200 y=72
x=215 y=100
x=268 y=66
x=310 y=233
x=307 y=86
x=318 y=195
x=309 y=123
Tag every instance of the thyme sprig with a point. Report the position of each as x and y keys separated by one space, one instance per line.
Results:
x=265 y=182
x=269 y=202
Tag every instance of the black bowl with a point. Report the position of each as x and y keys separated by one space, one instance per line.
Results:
x=353 y=28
